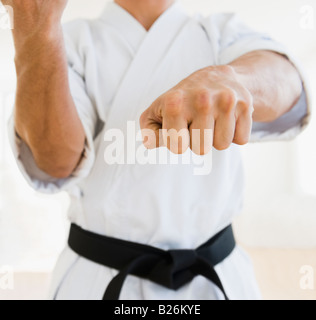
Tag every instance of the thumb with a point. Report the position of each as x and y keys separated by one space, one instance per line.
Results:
x=151 y=125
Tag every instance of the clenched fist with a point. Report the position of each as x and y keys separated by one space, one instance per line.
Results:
x=209 y=108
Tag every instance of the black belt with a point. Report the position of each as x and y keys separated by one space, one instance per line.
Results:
x=171 y=269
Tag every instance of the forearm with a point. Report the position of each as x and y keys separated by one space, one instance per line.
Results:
x=273 y=82
x=45 y=114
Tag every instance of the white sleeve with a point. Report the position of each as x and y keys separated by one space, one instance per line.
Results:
x=38 y=179
x=232 y=39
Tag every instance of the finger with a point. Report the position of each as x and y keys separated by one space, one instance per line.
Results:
x=224 y=131
x=202 y=133
x=243 y=124
x=175 y=133
x=151 y=124
x=225 y=122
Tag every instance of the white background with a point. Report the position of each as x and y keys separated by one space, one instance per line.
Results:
x=280 y=202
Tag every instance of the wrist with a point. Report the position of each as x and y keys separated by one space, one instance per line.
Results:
x=223 y=73
x=239 y=74
x=39 y=33
x=38 y=46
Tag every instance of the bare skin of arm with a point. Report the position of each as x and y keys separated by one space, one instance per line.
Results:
x=45 y=114
x=259 y=86
x=221 y=102
x=272 y=80
x=225 y=99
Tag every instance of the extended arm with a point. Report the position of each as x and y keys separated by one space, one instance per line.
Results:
x=220 y=102
x=273 y=82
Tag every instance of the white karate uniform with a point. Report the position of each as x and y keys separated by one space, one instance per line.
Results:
x=117 y=69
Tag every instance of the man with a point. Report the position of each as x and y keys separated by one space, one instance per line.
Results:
x=148 y=62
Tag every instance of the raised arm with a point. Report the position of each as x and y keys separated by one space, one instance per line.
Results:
x=45 y=115
x=220 y=103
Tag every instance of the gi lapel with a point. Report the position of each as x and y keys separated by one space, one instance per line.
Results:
x=152 y=51
x=130 y=95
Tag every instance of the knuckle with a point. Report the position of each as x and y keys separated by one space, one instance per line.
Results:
x=227 y=100
x=244 y=107
x=226 y=69
x=203 y=101
x=173 y=103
